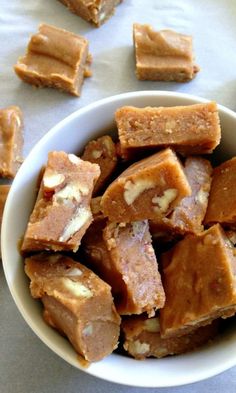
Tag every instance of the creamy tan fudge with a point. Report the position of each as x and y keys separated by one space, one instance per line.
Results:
x=143 y=338
x=55 y=58
x=62 y=211
x=76 y=302
x=11 y=141
x=102 y=152
x=192 y=129
x=163 y=55
x=199 y=282
x=222 y=199
x=188 y=216
x=94 y=11
x=4 y=190
x=148 y=189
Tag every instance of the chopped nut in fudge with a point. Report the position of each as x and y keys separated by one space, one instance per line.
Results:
x=192 y=129
x=199 y=282
x=55 y=58
x=62 y=211
x=94 y=11
x=102 y=152
x=222 y=199
x=11 y=141
x=148 y=189
x=143 y=338
x=76 y=302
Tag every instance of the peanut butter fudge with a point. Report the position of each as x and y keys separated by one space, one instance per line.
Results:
x=222 y=199
x=62 y=211
x=94 y=11
x=188 y=216
x=11 y=141
x=199 y=282
x=148 y=189
x=143 y=339
x=4 y=190
x=55 y=58
x=102 y=152
x=76 y=302
x=192 y=129
x=163 y=55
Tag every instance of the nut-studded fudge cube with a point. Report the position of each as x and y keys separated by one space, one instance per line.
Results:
x=55 y=58
x=148 y=189
x=135 y=280
x=102 y=152
x=188 y=216
x=143 y=338
x=163 y=55
x=4 y=189
x=94 y=11
x=76 y=302
x=222 y=199
x=62 y=211
x=11 y=141
x=192 y=129
x=199 y=282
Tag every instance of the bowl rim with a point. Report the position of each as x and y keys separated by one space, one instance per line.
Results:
x=37 y=147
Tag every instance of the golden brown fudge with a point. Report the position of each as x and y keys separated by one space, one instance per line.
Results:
x=94 y=11
x=76 y=302
x=192 y=129
x=222 y=199
x=102 y=152
x=4 y=190
x=163 y=55
x=55 y=58
x=62 y=211
x=148 y=189
x=199 y=282
x=11 y=141
x=188 y=216
x=143 y=339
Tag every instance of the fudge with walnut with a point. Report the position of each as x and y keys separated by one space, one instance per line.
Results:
x=76 y=302
x=62 y=211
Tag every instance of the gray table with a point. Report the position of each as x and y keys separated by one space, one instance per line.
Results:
x=26 y=364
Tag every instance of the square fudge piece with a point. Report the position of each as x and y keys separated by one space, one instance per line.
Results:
x=143 y=338
x=62 y=211
x=102 y=152
x=11 y=141
x=4 y=190
x=199 y=282
x=188 y=216
x=148 y=189
x=222 y=199
x=76 y=302
x=163 y=55
x=192 y=129
x=55 y=58
x=94 y=11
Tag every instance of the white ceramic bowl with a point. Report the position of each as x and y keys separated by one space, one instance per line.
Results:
x=71 y=135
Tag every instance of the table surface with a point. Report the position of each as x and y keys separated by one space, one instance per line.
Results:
x=26 y=364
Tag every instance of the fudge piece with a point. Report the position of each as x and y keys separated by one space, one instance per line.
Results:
x=148 y=189
x=94 y=11
x=199 y=282
x=62 y=211
x=11 y=141
x=76 y=302
x=222 y=199
x=192 y=129
x=102 y=152
x=143 y=339
x=55 y=58
x=163 y=55
x=4 y=189
x=188 y=216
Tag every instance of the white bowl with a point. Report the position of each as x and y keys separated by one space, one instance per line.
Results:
x=71 y=135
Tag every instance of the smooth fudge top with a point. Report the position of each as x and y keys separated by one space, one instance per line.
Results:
x=192 y=129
